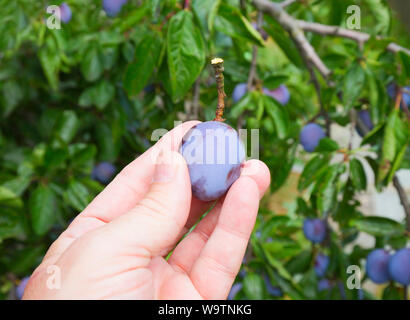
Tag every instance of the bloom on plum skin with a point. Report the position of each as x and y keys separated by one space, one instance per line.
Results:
x=365 y=118
x=214 y=154
x=65 y=12
x=113 y=7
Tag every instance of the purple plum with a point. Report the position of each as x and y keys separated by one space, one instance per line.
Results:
x=103 y=172
x=239 y=91
x=280 y=94
x=399 y=266
x=377 y=265
x=214 y=154
x=21 y=287
x=364 y=116
x=310 y=135
x=234 y=290
x=314 y=230
x=65 y=12
x=113 y=7
x=321 y=264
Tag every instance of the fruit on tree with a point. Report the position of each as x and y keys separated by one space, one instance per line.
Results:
x=262 y=32
x=65 y=12
x=280 y=94
x=239 y=91
x=310 y=136
x=324 y=284
x=113 y=7
x=377 y=265
x=321 y=264
x=214 y=154
x=365 y=118
x=272 y=290
x=391 y=91
x=399 y=266
x=103 y=172
x=234 y=290
x=21 y=287
x=314 y=230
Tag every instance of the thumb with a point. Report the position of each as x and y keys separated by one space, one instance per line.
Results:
x=157 y=220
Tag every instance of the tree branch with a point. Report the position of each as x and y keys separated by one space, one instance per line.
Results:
x=403 y=199
x=357 y=36
x=287 y=3
x=290 y=24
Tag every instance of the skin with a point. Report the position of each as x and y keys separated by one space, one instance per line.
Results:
x=116 y=247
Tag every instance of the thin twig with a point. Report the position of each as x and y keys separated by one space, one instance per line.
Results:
x=218 y=65
x=403 y=199
x=290 y=25
x=360 y=37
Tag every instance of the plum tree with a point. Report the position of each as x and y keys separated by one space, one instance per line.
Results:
x=21 y=287
x=234 y=290
x=280 y=94
x=310 y=135
x=321 y=264
x=65 y=12
x=113 y=7
x=399 y=266
x=377 y=265
x=314 y=230
x=239 y=91
x=103 y=172
x=365 y=118
x=214 y=154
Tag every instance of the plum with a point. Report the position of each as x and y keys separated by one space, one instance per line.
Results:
x=377 y=265
x=234 y=290
x=314 y=230
x=272 y=290
x=65 y=12
x=239 y=91
x=321 y=264
x=21 y=287
x=324 y=284
x=399 y=266
x=310 y=135
x=214 y=154
x=113 y=7
x=262 y=32
x=280 y=94
x=364 y=116
x=103 y=172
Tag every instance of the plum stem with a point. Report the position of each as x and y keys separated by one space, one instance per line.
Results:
x=217 y=63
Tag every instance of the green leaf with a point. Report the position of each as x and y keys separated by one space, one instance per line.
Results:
x=67 y=126
x=279 y=115
x=77 y=195
x=9 y=199
x=12 y=96
x=357 y=174
x=186 y=53
x=42 y=206
x=229 y=20
x=253 y=286
x=354 y=82
x=139 y=72
x=313 y=169
x=92 y=64
x=392 y=292
x=327 y=145
x=50 y=62
x=99 y=95
x=378 y=226
x=273 y=81
x=327 y=188
x=299 y=263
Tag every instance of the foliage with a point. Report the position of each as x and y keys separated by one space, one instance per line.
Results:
x=75 y=97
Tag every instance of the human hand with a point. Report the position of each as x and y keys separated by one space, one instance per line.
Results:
x=116 y=247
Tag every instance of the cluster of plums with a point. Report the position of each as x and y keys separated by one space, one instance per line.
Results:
x=382 y=266
x=111 y=8
x=280 y=94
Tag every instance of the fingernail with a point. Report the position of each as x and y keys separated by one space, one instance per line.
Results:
x=165 y=167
